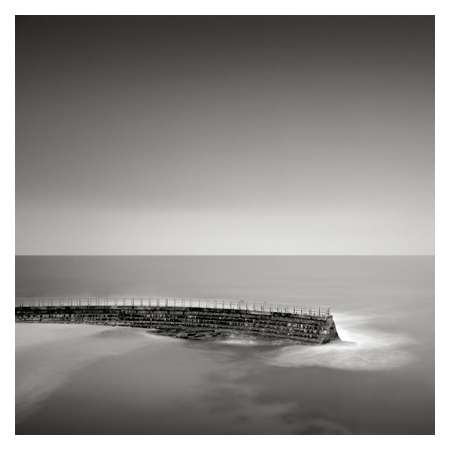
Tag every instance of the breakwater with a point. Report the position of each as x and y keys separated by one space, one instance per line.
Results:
x=187 y=318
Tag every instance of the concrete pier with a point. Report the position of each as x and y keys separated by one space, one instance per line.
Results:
x=189 y=320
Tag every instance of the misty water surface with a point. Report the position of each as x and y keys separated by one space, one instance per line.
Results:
x=94 y=379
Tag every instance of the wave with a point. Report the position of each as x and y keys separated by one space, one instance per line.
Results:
x=362 y=347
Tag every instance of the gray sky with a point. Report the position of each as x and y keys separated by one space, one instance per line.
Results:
x=200 y=135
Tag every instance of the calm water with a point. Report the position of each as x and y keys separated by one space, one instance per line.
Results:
x=93 y=379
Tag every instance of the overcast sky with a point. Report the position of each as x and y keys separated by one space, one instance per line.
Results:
x=232 y=135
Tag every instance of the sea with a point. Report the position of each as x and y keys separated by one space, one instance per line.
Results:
x=92 y=379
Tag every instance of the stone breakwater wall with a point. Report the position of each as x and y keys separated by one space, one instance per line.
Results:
x=191 y=322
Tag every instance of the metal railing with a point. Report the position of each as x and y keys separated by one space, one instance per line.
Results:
x=174 y=302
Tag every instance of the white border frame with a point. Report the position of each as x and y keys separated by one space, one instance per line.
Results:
x=439 y=8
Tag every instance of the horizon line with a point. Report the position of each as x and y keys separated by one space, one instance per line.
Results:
x=227 y=254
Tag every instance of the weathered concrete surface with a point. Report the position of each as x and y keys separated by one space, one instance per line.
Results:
x=190 y=322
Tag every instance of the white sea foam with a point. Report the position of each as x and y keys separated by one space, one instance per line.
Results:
x=236 y=341
x=248 y=340
x=362 y=347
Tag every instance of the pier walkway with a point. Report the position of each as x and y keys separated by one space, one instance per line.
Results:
x=187 y=318
x=174 y=302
